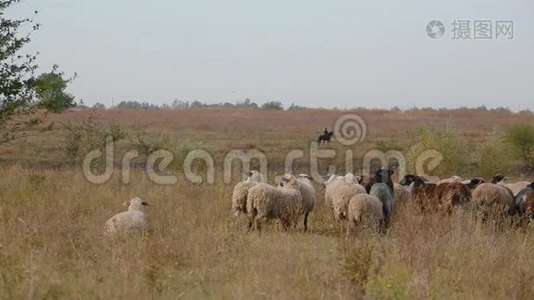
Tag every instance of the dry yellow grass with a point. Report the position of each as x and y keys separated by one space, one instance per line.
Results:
x=52 y=247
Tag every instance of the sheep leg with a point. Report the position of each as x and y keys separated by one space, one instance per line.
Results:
x=306 y=222
x=348 y=232
x=250 y=223
x=257 y=223
x=286 y=224
x=341 y=228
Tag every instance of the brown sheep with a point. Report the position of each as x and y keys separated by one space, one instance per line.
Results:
x=528 y=214
x=452 y=194
x=422 y=193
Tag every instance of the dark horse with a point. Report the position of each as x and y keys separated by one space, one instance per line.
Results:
x=325 y=137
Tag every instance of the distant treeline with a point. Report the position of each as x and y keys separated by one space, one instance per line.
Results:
x=271 y=105
x=176 y=104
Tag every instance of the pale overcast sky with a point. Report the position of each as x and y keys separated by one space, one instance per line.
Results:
x=343 y=53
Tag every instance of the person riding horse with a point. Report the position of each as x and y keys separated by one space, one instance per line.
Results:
x=326 y=136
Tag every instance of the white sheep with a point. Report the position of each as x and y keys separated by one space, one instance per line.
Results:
x=451 y=180
x=364 y=211
x=131 y=221
x=309 y=196
x=333 y=182
x=517 y=187
x=283 y=203
x=340 y=202
x=255 y=176
x=239 y=195
x=342 y=196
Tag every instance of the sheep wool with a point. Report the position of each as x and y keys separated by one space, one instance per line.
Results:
x=239 y=195
x=383 y=192
x=267 y=202
x=453 y=179
x=131 y=221
x=364 y=211
x=517 y=186
x=493 y=200
x=334 y=182
x=307 y=191
x=342 y=196
x=402 y=194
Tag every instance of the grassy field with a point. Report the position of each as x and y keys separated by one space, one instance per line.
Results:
x=51 y=219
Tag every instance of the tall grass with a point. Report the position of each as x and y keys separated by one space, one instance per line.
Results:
x=51 y=247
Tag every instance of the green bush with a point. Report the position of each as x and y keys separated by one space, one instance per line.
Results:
x=88 y=135
x=494 y=156
x=444 y=140
x=521 y=139
x=146 y=146
x=179 y=150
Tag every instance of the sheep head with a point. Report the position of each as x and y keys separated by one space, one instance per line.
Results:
x=289 y=181
x=473 y=183
x=136 y=204
x=329 y=180
x=253 y=176
x=498 y=178
x=410 y=178
x=305 y=176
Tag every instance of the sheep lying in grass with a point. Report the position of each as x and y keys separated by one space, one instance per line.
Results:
x=307 y=191
x=333 y=182
x=283 y=203
x=239 y=196
x=493 y=200
x=364 y=211
x=131 y=221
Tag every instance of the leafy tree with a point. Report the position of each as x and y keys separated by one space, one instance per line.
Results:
x=18 y=85
x=294 y=106
x=99 y=105
x=247 y=103
x=273 y=105
x=50 y=90
x=136 y=105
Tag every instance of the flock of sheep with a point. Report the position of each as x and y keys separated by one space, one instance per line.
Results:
x=356 y=202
